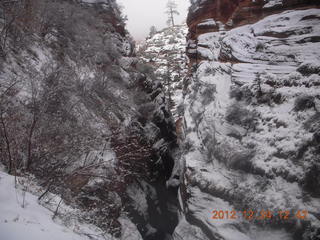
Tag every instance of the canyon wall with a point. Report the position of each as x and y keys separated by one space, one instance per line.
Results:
x=251 y=121
x=234 y=13
x=82 y=115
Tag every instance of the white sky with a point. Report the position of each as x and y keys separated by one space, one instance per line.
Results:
x=142 y=14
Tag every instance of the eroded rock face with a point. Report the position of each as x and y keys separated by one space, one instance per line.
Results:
x=237 y=12
x=249 y=142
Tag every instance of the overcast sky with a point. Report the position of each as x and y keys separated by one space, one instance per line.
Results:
x=142 y=14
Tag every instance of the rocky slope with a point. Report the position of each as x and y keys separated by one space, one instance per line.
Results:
x=251 y=121
x=165 y=51
x=85 y=117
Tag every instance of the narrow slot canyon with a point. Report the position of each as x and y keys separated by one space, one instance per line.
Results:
x=175 y=120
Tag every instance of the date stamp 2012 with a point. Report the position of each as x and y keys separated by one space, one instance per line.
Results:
x=259 y=215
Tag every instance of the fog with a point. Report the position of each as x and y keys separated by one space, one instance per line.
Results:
x=142 y=14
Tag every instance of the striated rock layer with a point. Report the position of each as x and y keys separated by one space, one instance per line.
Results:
x=238 y=12
x=251 y=121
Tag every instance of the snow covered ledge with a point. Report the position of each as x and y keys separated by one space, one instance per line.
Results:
x=21 y=217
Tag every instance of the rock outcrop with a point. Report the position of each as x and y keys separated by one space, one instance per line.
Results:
x=251 y=121
x=234 y=13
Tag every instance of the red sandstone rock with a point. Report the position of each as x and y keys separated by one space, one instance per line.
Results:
x=237 y=12
x=232 y=13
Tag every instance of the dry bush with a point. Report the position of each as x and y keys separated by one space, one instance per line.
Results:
x=304 y=102
x=237 y=114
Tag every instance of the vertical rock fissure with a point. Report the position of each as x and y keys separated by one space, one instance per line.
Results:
x=162 y=204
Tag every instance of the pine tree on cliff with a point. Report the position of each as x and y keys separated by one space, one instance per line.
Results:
x=171 y=11
x=153 y=31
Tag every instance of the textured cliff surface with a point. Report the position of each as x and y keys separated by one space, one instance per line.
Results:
x=252 y=120
x=234 y=13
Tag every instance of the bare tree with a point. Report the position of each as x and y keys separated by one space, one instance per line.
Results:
x=171 y=11
x=5 y=129
x=10 y=11
x=35 y=110
x=4 y=134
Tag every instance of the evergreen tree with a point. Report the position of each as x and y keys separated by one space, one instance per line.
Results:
x=153 y=31
x=171 y=11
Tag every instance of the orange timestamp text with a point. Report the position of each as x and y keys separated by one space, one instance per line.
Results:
x=259 y=215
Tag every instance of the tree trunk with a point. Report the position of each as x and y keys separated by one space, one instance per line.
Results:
x=172 y=19
x=5 y=134
x=33 y=125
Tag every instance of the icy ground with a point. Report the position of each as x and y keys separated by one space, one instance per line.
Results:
x=22 y=216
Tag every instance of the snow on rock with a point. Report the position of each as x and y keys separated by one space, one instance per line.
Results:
x=129 y=230
x=251 y=143
x=165 y=51
x=208 y=22
x=272 y=3
x=139 y=201
x=185 y=231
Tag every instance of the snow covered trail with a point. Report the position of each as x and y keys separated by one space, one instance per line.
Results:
x=21 y=217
